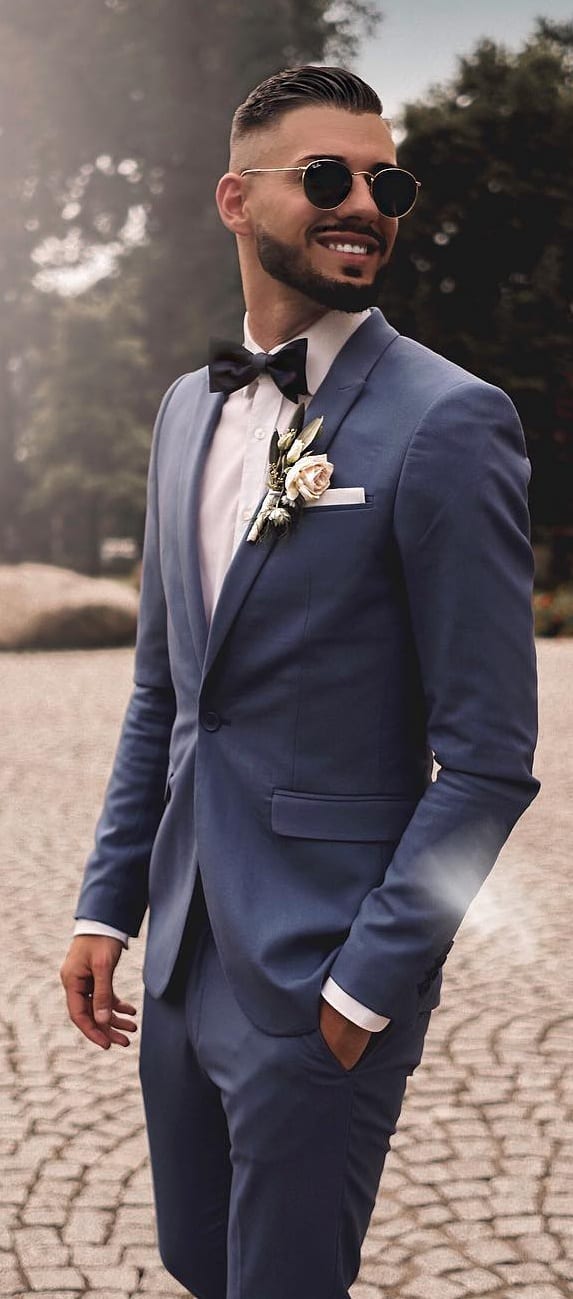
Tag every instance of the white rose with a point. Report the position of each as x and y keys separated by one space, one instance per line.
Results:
x=308 y=478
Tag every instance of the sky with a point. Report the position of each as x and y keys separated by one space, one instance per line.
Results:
x=418 y=40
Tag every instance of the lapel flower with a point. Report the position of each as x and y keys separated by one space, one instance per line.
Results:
x=308 y=477
x=293 y=477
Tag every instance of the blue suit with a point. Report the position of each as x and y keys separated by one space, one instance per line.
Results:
x=286 y=750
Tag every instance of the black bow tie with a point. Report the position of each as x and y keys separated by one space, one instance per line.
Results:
x=232 y=367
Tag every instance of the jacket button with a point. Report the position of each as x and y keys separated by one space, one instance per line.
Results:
x=211 y=721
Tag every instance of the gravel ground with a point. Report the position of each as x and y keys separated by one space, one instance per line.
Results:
x=477 y=1193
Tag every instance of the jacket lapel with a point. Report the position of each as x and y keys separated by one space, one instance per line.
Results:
x=198 y=441
x=334 y=399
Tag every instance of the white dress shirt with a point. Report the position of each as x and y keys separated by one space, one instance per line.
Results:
x=234 y=480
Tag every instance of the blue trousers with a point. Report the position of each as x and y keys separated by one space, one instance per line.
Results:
x=266 y=1152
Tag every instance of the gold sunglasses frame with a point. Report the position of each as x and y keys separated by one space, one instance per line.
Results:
x=255 y=171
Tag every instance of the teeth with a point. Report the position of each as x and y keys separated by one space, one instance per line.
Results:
x=348 y=248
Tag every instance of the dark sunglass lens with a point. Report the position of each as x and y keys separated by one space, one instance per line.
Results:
x=326 y=184
x=394 y=192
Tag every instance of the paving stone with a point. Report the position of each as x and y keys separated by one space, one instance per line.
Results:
x=491 y=1251
x=87 y=1225
x=10 y=1281
x=153 y=1278
x=477 y=1281
x=441 y=1259
x=40 y=1247
x=381 y=1274
x=521 y=1273
x=520 y=1226
x=506 y=1206
x=55 y=1278
x=564 y=1267
x=463 y=1190
x=122 y=1278
x=545 y=1247
x=560 y=1226
x=430 y=1214
x=147 y=1255
x=44 y=1216
x=477 y=1230
x=52 y=1294
x=474 y=1210
x=433 y=1288
x=106 y=1294
x=541 y=1291
x=107 y=1255
x=558 y=1205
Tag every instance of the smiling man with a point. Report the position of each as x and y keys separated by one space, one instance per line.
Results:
x=303 y=653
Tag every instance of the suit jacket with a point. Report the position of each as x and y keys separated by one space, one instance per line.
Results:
x=288 y=747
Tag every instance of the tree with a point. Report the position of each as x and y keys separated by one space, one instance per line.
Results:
x=86 y=445
x=483 y=269
x=110 y=107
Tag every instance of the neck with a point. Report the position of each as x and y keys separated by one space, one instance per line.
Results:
x=276 y=312
x=273 y=323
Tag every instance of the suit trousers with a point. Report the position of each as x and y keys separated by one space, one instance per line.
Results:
x=266 y=1152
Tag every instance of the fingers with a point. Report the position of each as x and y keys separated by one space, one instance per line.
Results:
x=80 y=1006
x=79 y=1000
x=102 y=970
x=87 y=976
x=123 y=1007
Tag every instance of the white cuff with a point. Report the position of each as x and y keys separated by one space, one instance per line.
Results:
x=353 y=1009
x=98 y=927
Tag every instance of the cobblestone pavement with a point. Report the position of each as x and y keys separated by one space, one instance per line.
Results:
x=477 y=1194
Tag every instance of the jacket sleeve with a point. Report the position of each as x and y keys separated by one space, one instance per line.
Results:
x=462 y=531
x=114 y=887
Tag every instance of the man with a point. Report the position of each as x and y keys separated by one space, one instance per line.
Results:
x=271 y=798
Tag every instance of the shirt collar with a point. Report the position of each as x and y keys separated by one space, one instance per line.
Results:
x=326 y=338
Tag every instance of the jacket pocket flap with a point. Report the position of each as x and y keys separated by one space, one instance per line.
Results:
x=370 y=817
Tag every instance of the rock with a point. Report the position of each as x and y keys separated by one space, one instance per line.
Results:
x=43 y=607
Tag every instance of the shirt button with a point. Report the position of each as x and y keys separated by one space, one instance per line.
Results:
x=246 y=514
x=259 y=433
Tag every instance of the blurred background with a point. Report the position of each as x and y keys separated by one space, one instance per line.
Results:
x=114 y=268
x=114 y=271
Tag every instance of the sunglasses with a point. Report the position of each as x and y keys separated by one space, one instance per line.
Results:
x=327 y=183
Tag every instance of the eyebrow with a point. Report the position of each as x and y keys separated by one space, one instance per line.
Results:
x=337 y=157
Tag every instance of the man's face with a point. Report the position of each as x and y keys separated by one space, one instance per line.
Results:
x=295 y=242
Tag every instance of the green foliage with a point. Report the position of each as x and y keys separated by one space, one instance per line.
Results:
x=483 y=269
x=107 y=106
x=86 y=444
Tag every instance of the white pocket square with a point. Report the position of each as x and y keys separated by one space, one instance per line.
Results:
x=340 y=496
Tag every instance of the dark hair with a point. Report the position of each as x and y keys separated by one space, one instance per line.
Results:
x=299 y=87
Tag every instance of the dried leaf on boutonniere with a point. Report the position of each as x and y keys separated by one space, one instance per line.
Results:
x=293 y=478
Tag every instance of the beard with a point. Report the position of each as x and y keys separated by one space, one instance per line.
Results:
x=289 y=266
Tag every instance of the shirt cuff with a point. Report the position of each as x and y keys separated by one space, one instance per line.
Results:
x=98 y=927
x=352 y=1009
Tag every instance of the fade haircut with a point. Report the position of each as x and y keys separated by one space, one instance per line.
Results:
x=300 y=88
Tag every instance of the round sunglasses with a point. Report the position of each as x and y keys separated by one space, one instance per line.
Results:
x=327 y=183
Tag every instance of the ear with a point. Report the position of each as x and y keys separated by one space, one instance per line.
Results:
x=230 y=200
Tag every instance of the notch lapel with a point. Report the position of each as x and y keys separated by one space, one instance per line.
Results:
x=198 y=441
x=334 y=399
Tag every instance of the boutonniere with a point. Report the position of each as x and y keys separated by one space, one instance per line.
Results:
x=293 y=477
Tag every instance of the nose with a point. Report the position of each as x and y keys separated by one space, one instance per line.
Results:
x=360 y=206
x=359 y=202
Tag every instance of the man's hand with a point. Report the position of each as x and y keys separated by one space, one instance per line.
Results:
x=346 y=1040
x=87 y=976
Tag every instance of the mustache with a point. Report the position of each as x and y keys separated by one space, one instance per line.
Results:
x=350 y=227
